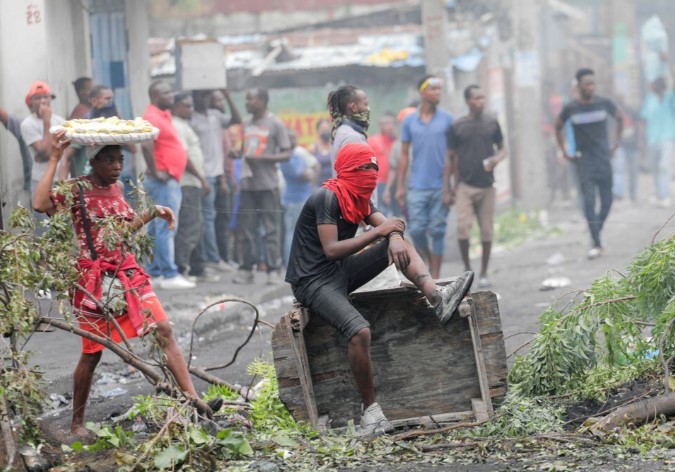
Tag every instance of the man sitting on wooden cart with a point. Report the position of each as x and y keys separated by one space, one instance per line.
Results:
x=328 y=261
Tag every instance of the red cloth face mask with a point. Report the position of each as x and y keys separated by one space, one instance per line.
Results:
x=353 y=186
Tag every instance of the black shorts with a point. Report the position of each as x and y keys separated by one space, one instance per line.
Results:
x=328 y=296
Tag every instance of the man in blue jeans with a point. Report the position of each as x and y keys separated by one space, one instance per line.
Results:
x=426 y=130
x=166 y=159
x=211 y=125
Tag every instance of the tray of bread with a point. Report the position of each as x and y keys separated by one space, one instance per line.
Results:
x=107 y=131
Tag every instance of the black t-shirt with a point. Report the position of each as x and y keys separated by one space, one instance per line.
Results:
x=474 y=139
x=307 y=258
x=589 y=121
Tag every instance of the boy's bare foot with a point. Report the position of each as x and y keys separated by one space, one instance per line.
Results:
x=79 y=431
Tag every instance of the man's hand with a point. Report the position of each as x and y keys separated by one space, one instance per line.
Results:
x=448 y=198
x=45 y=112
x=223 y=188
x=400 y=196
x=390 y=226
x=166 y=214
x=161 y=175
x=59 y=144
x=490 y=163
x=206 y=187
x=398 y=253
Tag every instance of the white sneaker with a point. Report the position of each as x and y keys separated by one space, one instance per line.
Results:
x=595 y=253
x=220 y=266
x=177 y=282
x=484 y=282
x=374 y=421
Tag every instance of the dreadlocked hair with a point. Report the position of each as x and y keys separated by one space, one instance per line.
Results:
x=337 y=104
x=338 y=99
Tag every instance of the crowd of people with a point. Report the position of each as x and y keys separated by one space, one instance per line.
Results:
x=235 y=196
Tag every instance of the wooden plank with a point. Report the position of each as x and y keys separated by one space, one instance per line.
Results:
x=480 y=362
x=435 y=419
x=287 y=370
x=486 y=310
x=305 y=376
x=480 y=410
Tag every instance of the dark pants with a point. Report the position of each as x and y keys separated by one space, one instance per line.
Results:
x=189 y=233
x=256 y=208
x=327 y=296
x=594 y=182
x=223 y=214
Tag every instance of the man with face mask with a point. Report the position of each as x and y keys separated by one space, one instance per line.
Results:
x=349 y=109
x=328 y=261
x=102 y=100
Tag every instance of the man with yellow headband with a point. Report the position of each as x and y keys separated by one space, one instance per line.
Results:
x=426 y=130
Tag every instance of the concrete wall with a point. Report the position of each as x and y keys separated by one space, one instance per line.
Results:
x=23 y=59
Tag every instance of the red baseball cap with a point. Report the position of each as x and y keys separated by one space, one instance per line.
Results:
x=38 y=88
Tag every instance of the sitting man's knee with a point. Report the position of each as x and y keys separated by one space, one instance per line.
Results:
x=362 y=337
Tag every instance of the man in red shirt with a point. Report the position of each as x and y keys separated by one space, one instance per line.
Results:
x=166 y=159
x=382 y=143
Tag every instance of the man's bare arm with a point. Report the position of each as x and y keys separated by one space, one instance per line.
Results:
x=336 y=249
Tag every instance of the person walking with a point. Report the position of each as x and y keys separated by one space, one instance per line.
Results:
x=658 y=113
x=266 y=144
x=476 y=147
x=166 y=160
x=589 y=115
x=426 y=130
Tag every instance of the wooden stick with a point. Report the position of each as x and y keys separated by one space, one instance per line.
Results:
x=153 y=377
x=414 y=434
x=151 y=444
x=7 y=433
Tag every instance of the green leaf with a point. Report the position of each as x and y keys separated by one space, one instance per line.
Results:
x=169 y=457
x=198 y=435
x=285 y=441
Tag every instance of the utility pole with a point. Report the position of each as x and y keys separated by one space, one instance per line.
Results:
x=436 y=53
x=529 y=153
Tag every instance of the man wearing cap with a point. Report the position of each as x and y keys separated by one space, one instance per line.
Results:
x=328 y=262
x=426 y=130
x=35 y=133
x=166 y=159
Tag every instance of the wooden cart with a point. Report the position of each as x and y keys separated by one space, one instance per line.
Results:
x=424 y=372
